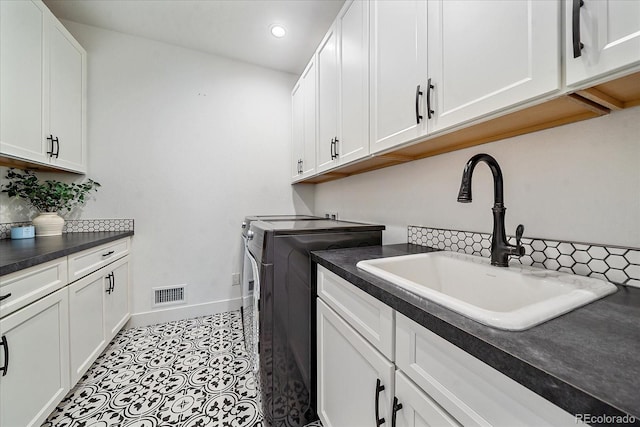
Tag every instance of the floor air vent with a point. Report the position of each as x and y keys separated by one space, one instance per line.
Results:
x=170 y=295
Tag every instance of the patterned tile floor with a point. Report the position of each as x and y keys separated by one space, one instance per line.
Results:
x=187 y=373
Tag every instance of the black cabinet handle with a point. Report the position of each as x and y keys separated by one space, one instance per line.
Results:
x=5 y=346
x=108 y=253
x=430 y=112
x=575 y=28
x=54 y=140
x=333 y=140
x=50 y=152
x=4 y=297
x=57 y=146
x=112 y=282
x=379 y=388
x=396 y=407
x=301 y=166
x=334 y=148
x=418 y=93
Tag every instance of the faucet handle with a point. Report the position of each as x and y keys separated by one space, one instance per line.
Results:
x=519 y=232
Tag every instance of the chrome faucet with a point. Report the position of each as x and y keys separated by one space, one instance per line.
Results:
x=501 y=250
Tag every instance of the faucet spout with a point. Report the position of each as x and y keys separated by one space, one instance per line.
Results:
x=501 y=250
x=464 y=195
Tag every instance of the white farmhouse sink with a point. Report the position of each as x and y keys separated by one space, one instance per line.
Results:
x=513 y=298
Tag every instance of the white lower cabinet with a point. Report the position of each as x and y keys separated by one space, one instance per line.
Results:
x=414 y=408
x=433 y=382
x=87 y=326
x=34 y=357
x=98 y=309
x=470 y=390
x=355 y=381
x=116 y=303
x=51 y=331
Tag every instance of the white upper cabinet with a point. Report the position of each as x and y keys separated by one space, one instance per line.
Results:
x=398 y=72
x=297 y=130
x=343 y=88
x=303 y=99
x=353 y=135
x=601 y=37
x=21 y=80
x=486 y=56
x=66 y=104
x=327 y=100
x=42 y=87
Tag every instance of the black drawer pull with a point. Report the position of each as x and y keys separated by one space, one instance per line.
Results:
x=5 y=345
x=108 y=253
x=379 y=388
x=396 y=407
x=4 y=297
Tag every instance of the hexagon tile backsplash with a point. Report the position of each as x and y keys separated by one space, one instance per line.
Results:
x=613 y=263
x=78 y=226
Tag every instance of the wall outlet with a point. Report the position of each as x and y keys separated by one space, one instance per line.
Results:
x=235 y=279
x=331 y=215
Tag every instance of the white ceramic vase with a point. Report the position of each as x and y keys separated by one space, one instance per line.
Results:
x=48 y=224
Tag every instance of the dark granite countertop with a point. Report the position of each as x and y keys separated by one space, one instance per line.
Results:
x=586 y=361
x=17 y=255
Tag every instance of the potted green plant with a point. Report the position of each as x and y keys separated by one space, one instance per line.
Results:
x=49 y=197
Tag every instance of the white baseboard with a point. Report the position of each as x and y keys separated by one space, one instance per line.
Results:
x=183 y=312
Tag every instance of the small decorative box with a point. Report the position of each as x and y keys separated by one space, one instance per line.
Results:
x=25 y=232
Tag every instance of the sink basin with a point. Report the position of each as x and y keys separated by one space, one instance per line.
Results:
x=513 y=298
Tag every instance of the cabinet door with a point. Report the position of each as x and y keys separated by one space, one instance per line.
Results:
x=327 y=100
x=418 y=409
x=486 y=68
x=610 y=33
x=398 y=72
x=348 y=371
x=297 y=130
x=310 y=131
x=65 y=107
x=117 y=297
x=87 y=326
x=353 y=135
x=37 y=376
x=21 y=80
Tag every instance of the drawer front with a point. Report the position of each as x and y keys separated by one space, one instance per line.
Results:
x=26 y=286
x=418 y=409
x=470 y=390
x=86 y=262
x=373 y=319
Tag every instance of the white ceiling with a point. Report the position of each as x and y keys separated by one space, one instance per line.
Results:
x=237 y=29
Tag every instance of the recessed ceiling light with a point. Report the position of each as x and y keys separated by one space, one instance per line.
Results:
x=278 y=31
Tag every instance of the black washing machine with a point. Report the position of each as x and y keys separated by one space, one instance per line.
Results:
x=286 y=346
